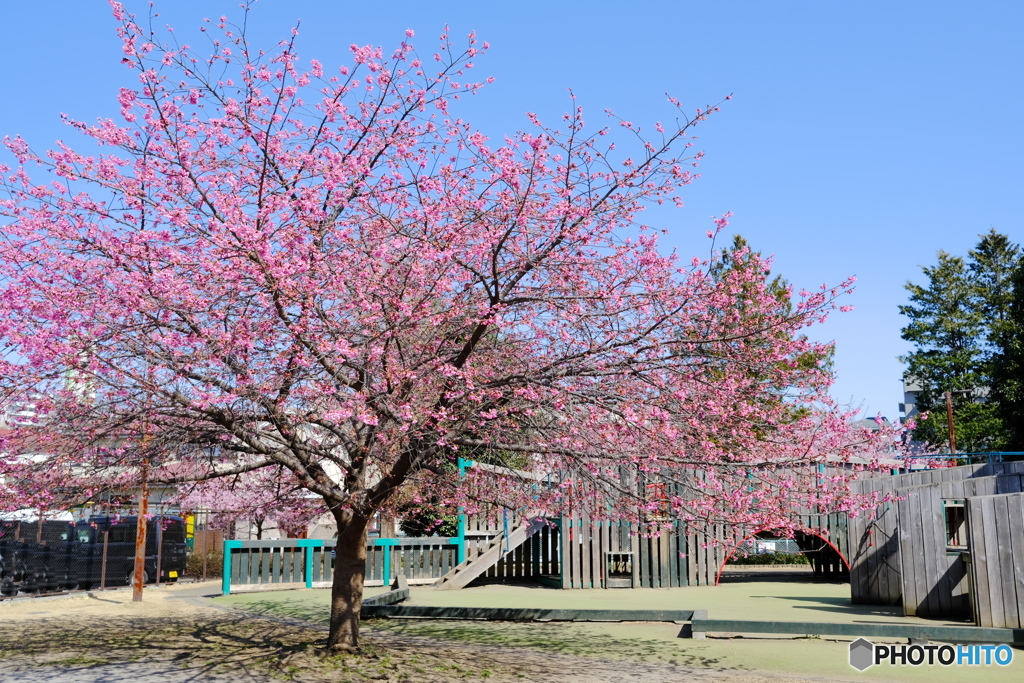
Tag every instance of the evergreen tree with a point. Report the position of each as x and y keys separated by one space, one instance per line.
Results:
x=955 y=324
x=1008 y=365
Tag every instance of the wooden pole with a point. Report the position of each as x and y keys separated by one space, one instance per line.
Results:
x=103 y=563
x=949 y=418
x=140 y=537
x=159 y=548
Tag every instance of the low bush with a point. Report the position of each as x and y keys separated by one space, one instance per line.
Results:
x=770 y=558
x=214 y=564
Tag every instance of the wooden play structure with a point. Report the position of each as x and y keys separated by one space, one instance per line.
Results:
x=571 y=551
x=949 y=545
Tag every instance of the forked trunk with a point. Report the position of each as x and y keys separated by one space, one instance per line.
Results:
x=347 y=587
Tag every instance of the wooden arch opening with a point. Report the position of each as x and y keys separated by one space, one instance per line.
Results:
x=826 y=560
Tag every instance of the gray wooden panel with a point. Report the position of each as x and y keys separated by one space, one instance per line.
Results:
x=996 y=527
x=691 y=556
x=645 y=560
x=909 y=522
x=1004 y=543
x=565 y=553
x=1015 y=510
x=1010 y=483
x=991 y=533
x=585 y=533
x=979 y=557
x=596 y=550
x=672 y=540
x=934 y=580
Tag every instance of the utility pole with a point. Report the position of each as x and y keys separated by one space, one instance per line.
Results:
x=139 y=571
x=138 y=574
x=949 y=418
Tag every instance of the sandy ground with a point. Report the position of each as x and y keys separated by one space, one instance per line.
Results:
x=178 y=634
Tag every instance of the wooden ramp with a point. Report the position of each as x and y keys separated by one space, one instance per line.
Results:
x=462 y=574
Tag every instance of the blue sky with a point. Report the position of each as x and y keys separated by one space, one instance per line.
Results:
x=861 y=137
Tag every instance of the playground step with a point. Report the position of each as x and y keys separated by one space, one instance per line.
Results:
x=469 y=569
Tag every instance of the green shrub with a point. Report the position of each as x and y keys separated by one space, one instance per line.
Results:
x=214 y=564
x=770 y=558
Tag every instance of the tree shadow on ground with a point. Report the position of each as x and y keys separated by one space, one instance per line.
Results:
x=606 y=641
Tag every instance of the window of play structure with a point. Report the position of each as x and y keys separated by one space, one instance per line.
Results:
x=956 y=524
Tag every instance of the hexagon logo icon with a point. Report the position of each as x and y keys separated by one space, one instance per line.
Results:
x=862 y=654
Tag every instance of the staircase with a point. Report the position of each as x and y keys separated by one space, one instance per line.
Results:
x=461 y=575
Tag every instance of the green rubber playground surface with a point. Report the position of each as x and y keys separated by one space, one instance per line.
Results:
x=810 y=657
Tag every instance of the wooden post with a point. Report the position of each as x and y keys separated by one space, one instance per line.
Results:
x=949 y=418
x=140 y=537
x=159 y=548
x=206 y=553
x=103 y=562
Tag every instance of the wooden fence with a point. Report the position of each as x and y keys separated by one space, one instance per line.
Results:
x=605 y=554
x=876 y=577
x=934 y=577
x=996 y=538
x=292 y=563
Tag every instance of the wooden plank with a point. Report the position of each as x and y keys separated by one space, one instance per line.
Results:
x=1009 y=483
x=926 y=632
x=889 y=557
x=653 y=568
x=584 y=546
x=1004 y=544
x=691 y=556
x=1015 y=510
x=863 y=550
x=287 y=562
x=924 y=555
x=275 y=566
x=908 y=570
x=298 y=564
x=654 y=560
x=634 y=547
x=979 y=559
x=670 y=575
x=933 y=536
x=992 y=565
x=565 y=533
x=265 y=560
x=858 y=547
x=544 y=556
x=642 y=558
x=883 y=533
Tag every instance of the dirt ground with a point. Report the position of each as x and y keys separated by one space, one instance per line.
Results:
x=175 y=635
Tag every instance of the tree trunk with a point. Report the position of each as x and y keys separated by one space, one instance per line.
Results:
x=347 y=587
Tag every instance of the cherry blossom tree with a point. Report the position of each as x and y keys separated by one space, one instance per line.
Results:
x=266 y=263
x=265 y=498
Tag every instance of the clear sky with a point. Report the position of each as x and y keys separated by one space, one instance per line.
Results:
x=862 y=137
